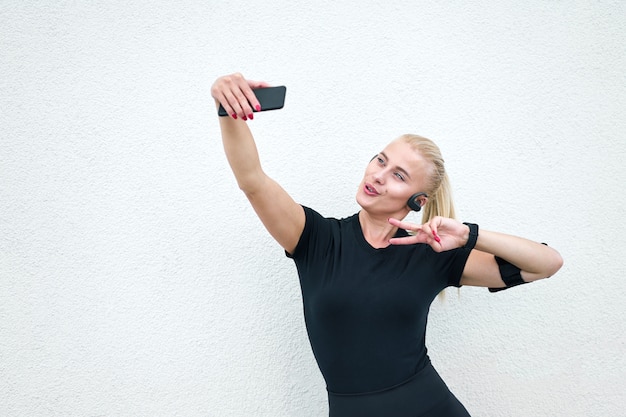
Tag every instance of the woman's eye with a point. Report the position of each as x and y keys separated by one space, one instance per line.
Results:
x=399 y=176
x=380 y=160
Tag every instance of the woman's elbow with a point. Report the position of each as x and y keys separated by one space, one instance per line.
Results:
x=557 y=263
x=552 y=263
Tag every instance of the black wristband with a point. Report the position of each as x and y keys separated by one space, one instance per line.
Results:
x=473 y=236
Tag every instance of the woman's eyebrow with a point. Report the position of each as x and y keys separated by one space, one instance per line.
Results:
x=399 y=168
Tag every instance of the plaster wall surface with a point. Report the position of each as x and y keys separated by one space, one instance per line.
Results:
x=135 y=280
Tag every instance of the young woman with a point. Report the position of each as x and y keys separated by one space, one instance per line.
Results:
x=368 y=280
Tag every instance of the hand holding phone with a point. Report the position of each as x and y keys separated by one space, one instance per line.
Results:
x=270 y=98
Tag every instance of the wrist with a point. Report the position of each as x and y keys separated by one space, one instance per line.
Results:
x=472 y=236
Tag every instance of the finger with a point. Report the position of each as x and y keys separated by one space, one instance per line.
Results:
x=430 y=236
x=433 y=226
x=222 y=92
x=252 y=101
x=432 y=233
x=235 y=89
x=232 y=106
x=239 y=101
x=221 y=99
x=254 y=85
x=258 y=84
x=246 y=97
x=404 y=225
x=407 y=240
x=251 y=95
x=236 y=95
x=427 y=230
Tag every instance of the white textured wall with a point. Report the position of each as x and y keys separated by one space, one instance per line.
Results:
x=136 y=281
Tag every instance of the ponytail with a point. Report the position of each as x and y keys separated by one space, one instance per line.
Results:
x=440 y=203
x=438 y=184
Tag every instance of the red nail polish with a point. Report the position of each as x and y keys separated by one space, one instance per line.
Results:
x=251 y=116
x=258 y=107
x=245 y=118
x=234 y=116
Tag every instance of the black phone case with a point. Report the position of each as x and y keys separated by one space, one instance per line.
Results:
x=271 y=98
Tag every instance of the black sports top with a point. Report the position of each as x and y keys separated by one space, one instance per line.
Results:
x=366 y=309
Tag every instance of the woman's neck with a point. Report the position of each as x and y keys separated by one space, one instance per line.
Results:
x=376 y=230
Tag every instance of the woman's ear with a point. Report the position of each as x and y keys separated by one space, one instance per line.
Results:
x=417 y=201
x=423 y=200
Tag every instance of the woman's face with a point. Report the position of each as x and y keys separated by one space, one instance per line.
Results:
x=393 y=176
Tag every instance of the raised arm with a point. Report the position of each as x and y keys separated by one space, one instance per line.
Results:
x=281 y=215
x=534 y=260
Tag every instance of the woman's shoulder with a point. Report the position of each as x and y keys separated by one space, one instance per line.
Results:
x=317 y=215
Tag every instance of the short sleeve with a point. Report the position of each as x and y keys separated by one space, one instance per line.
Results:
x=314 y=229
x=456 y=264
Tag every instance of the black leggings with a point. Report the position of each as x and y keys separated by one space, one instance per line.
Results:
x=423 y=395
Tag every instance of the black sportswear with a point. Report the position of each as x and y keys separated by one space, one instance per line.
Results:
x=366 y=309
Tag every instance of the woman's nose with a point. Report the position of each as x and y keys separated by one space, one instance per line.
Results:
x=379 y=176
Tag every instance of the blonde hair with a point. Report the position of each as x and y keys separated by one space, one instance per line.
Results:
x=438 y=184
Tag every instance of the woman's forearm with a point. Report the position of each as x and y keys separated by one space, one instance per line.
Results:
x=241 y=153
x=236 y=95
x=536 y=260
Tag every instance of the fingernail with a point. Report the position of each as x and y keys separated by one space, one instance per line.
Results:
x=234 y=116
x=258 y=107
x=251 y=116
x=437 y=239
x=244 y=118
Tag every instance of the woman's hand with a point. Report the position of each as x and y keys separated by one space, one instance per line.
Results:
x=535 y=260
x=440 y=233
x=236 y=95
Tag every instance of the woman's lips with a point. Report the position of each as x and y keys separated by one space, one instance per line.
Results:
x=369 y=189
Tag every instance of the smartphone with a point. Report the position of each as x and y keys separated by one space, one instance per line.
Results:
x=271 y=98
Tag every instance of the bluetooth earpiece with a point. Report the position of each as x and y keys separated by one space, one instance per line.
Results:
x=414 y=202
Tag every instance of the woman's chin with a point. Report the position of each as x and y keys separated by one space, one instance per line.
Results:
x=363 y=200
